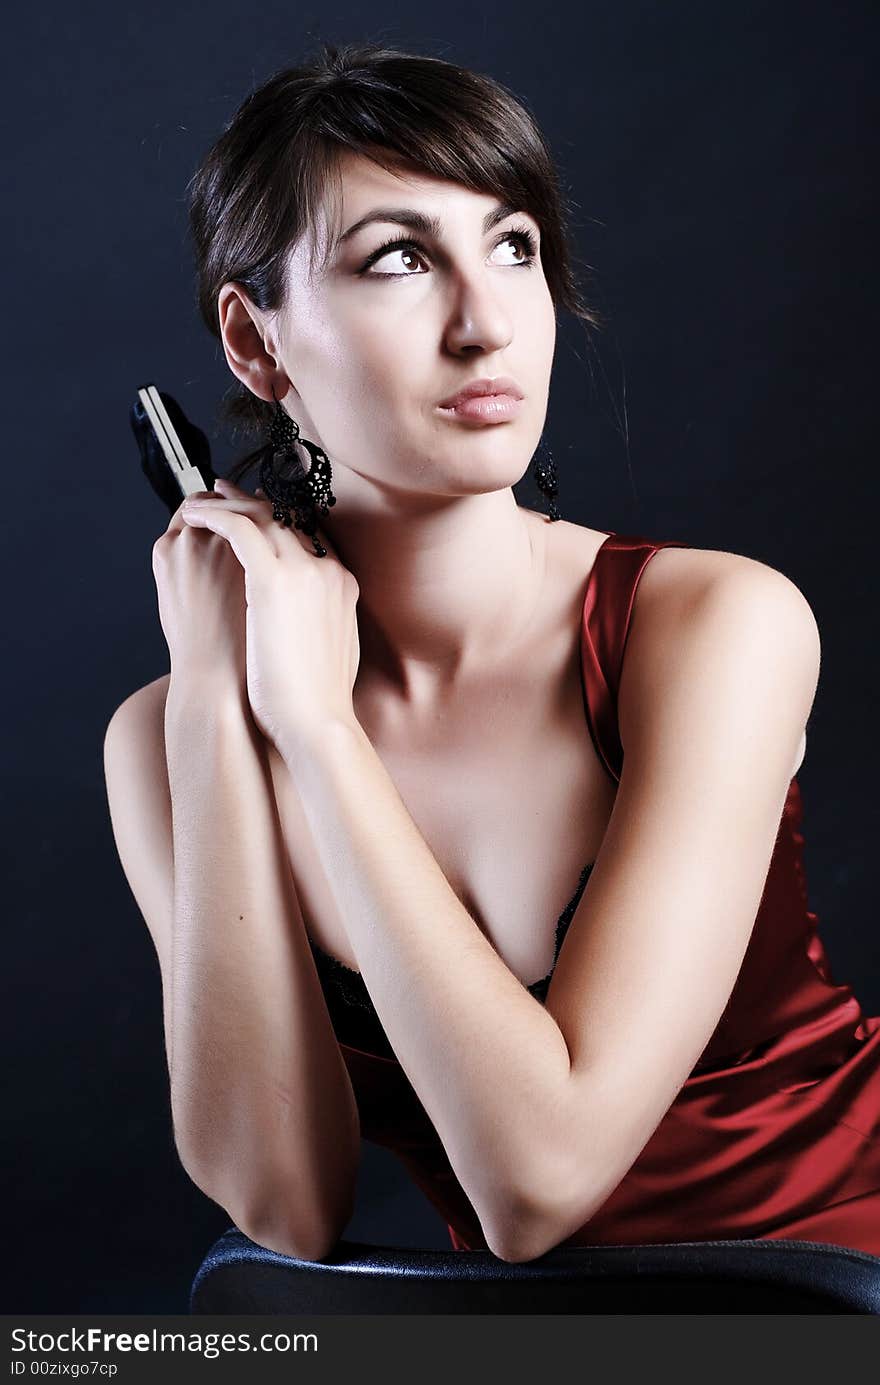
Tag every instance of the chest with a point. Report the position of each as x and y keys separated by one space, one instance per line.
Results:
x=508 y=792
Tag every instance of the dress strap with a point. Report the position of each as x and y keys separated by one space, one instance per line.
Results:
x=607 y=612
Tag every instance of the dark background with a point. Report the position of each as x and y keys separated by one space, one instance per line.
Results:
x=720 y=157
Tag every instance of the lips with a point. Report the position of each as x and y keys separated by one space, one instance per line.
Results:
x=497 y=385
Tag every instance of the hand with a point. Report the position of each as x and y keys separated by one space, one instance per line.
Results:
x=302 y=650
x=200 y=587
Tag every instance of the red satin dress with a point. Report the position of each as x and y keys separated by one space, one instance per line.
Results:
x=775 y=1132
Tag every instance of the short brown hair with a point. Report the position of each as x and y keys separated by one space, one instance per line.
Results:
x=261 y=184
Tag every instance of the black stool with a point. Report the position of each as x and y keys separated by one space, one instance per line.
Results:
x=743 y=1276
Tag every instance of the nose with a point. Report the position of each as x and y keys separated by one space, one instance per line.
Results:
x=478 y=319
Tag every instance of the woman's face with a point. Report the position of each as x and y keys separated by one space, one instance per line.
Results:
x=373 y=342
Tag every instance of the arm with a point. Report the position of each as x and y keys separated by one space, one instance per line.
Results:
x=542 y=1110
x=716 y=693
x=264 y=1117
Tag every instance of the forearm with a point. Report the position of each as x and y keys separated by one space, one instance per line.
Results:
x=264 y=1114
x=487 y=1061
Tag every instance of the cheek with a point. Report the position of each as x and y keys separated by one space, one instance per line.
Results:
x=355 y=398
x=368 y=351
x=540 y=315
x=379 y=383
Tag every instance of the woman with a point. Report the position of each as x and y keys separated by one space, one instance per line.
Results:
x=394 y=733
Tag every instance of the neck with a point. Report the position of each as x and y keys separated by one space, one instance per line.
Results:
x=446 y=588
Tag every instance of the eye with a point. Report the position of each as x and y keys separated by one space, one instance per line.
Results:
x=399 y=247
x=520 y=236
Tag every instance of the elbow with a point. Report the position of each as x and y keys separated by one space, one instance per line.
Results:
x=532 y=1237
x=522 y=1242
x=298 y=1226
x=289 y=1227
x=520 y=1227
x=278 y=1219
x=529 y=1224
x=299 y=1242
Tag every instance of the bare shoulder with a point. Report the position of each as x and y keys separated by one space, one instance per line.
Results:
x=139 y=803
x=730 y=590
x=713 y=613
x=145 y=701
x=713 y=625
x=134 y=752
x=675 y=579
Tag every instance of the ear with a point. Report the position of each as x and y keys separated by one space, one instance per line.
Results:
x=247 y=344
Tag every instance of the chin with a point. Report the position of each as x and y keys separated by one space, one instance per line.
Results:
x=480 y=479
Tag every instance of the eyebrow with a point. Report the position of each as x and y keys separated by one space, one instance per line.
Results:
x=420 y=221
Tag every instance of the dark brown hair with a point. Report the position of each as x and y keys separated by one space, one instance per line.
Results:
x=262 y=184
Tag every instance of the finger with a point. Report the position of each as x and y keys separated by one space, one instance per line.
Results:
x=176 y=524
x=229 y=491
x=234 y=492
x=238 y=501
x=305 y=543
x=228 y=488
x=235 y=500
x=248 y=541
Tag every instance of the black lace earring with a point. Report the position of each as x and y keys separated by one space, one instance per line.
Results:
x=544 y=472
x=286 y=482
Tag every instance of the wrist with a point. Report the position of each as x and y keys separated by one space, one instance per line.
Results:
x=318 y=746
x=206 y=696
